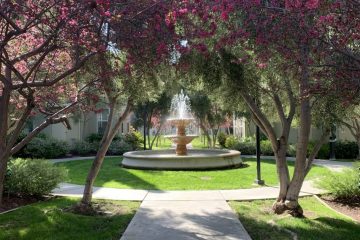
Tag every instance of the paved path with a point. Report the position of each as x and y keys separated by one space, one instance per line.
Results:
x=73 y=190
x=187 y=215
x=185 y=220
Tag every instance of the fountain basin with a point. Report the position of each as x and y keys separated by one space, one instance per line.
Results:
x=168 y=160
x=181 y=139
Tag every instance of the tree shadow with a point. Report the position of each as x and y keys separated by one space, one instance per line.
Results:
x=304 y=228
x=42 y=222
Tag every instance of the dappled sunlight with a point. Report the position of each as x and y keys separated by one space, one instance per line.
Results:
x=114 y=176
x=319 y=221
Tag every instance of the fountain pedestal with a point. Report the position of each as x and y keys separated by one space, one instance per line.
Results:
x=181 y=139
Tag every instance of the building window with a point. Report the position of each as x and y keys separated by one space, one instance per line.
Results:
x=122 y=127
x=128 y=127
x=102 y=119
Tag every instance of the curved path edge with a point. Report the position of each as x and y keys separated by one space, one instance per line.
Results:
x=73 y=190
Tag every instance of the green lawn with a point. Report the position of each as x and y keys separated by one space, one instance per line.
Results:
x=47 y=220
x=165 y=143
x=319 y=223
x=112 y=175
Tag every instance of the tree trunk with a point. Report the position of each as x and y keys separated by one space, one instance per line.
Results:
x=292 y=195
x=108 y=136
x=95 y=168
x=206 y=134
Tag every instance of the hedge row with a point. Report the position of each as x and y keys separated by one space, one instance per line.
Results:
x=43 y=146
x=343 y=149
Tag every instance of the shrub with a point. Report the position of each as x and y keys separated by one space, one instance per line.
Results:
x=346 y=150
x=246 y=148
x=323 y=153
x=85 y=148
x=343 y=185
x=134 y=139
x=222 y=139
x=291 y=150
x=46 y=147
x=266 y=149
x=96 y=138
x=32 y=177
x=119 y=147
x=231 y=141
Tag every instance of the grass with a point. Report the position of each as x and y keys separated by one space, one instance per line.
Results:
x=319 y=223
x=112 y=175
x=165 y=143
x=47 y=220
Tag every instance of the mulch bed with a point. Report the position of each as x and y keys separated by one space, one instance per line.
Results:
x=16 y=201
x=349 y=207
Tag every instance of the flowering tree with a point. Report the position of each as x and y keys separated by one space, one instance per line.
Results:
x=42 y=44
x=140 y=39
x=304 y=39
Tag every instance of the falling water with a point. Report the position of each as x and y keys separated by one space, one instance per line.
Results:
x=180 y=107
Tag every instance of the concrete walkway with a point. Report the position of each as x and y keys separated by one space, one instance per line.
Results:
x=183 y=215
x=185 y=220
x=73 y=190
x=188 y=215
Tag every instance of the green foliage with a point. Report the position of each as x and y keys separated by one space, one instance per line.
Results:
x=46 y=147
x=33 y=177
x=266 y=148
x=291 y=150
x=343 y=185
x=230 y=142
x=119 y=147
x=346 y=150
x=134 y=139
x=96 y=137
x=246 y=148
x=83 y=148
x=222 y=139
x=323 y=153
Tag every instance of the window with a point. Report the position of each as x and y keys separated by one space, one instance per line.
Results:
x=128 y=127
x=122 y=127
x=102 y=119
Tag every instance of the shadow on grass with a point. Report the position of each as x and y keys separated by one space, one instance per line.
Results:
x=49 y=221
x=305 y=228
x=111 y=167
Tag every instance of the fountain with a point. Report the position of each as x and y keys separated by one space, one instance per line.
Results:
x=182 y=158
x=181 y=117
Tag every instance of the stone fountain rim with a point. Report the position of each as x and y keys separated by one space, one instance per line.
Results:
x=216 y=153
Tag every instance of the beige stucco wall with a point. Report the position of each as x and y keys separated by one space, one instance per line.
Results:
x=82 y=125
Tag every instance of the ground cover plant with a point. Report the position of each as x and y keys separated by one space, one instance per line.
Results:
x=319 y=222
x=51 y=220
x=112 y=175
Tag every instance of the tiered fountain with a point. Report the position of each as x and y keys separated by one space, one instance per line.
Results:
x=181 y=117
x=182 y=158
